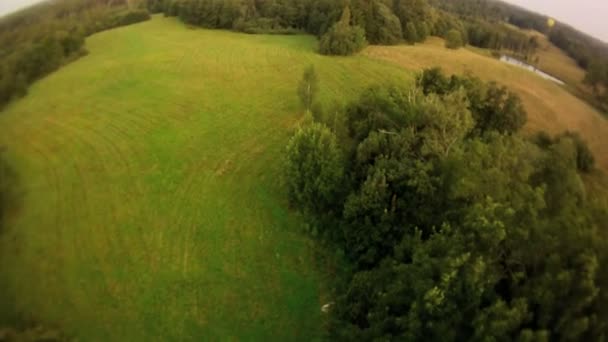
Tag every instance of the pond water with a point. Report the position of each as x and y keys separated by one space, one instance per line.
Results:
x=517 y=62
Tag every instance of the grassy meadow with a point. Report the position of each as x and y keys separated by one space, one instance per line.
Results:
x=556 y=62
x=550 y=107
x=151 y=206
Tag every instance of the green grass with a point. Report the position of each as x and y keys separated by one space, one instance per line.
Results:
x=152 y=207
x=151 y=204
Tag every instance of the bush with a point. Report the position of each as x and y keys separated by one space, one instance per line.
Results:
x=585 y=161
x=433 y=81
x=411 y=33
x=342 y=40
x=501 y=110
x=263 y=26
x=314 y=168
x=453 y=40
x=123 y=19
x=308 y=87
x=494 y=107
x=32 y=334
x=133 y=17
x=384 y=27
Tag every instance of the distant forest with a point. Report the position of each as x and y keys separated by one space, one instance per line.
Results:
x=382 y=22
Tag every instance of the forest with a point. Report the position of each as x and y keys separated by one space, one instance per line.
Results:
x=377 y=22
x=456 y=227
x=40 y=39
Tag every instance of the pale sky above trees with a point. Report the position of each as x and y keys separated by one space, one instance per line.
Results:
x=586 y=15
x=7 y=6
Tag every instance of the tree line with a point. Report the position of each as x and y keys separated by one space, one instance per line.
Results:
x=348 y=25
x=456 y=227
x=343 y=27
x=38 y=40
x=597 y=78
x=485 y=26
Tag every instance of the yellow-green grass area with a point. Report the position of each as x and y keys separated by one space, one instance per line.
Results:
x=152 y=207
x=550 y=107
x=556 y=62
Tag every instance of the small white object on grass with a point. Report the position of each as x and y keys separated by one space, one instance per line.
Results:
x=325 y=308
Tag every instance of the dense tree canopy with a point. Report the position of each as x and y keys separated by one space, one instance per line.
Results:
x=381 y=25
x=343 y=38
x=457 y=227
x=597 y=78
x=494 y=107
x=377 y=21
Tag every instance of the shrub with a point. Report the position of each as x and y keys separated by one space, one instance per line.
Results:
x=585 y=161
x=453 y=40
x=262 y=26
x=308 y=87
x=342 y=40
x=494 y=107
x=314 y=169
x=384 y=27
x=411 y=33
x=133 y=17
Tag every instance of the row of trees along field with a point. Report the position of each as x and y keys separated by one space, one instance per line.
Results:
x=456 y=227
x=337 y=23
x=38 y=40
x=377 y=21
x=597 y=78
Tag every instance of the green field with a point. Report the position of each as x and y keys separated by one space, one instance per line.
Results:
x=151 y=205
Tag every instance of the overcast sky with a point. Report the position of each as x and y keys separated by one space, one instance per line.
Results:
x=7 y=6
x=590 y=16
